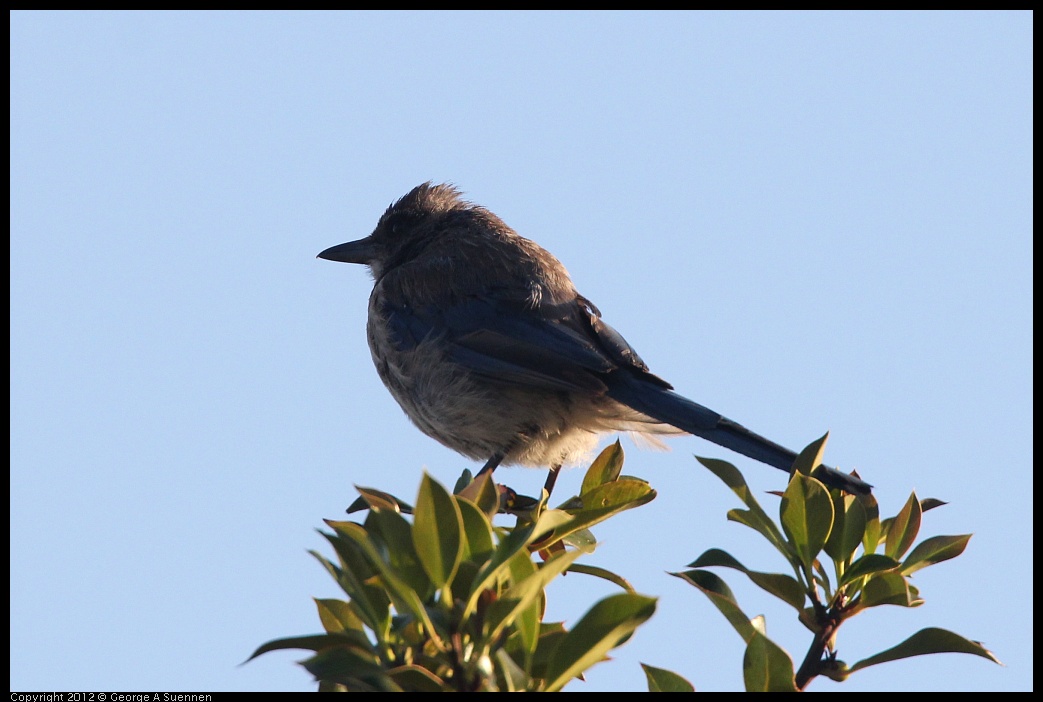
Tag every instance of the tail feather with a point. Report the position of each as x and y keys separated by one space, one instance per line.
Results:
x=676 y=410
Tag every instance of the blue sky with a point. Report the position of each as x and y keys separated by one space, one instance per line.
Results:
x=806 y=221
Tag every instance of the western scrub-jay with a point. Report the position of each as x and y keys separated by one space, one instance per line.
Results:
x=483 y=340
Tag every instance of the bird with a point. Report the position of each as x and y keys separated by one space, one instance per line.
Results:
x=482 y=338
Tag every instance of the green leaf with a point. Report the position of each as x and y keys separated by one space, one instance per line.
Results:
x=766 y=667
x=478 y=531
x=482 y=493
x=497 y=567
x=415 y=678
x=318 y=642
x=822 y=577
x=515 y=679
x=551 y=635
x=766 y=528
x=349 y=666
x=605 y=468
x=551 y=525
x=755 y=518
x=331 y=687
x=785 y=587
x=337 y=616
x=871 y=539
x=582 y=538
x=660 y=680
x=603 y=574
x=806 y=514
x=809 y=617
x=377 y=499
x=934 y=550
x=520 y=567
x=463 y=481
x=811 y=457
x=396 y=534
x=599 y=504
x=867 y=565
x=889 y=588
x=526 y=616
x=523 y=593
x=405 y=599
x=722 y=598
x=618 y=495
x=370 y=602
x=849 y=526
x=925 y=641
x=902 y=530
x=606 y=625
x=437 y=531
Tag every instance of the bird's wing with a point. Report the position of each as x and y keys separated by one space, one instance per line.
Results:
x=568 y=347
x=556 y=347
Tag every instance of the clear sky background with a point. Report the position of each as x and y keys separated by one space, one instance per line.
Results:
x=807 y=222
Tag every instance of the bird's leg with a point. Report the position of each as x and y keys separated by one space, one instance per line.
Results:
x=552 y=477
x=493 y=461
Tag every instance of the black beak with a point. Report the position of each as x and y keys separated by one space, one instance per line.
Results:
x=361 y=251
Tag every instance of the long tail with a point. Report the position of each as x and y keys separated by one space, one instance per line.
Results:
x=676 y=410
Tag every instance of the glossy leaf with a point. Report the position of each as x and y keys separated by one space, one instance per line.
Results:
x=902 y=530
x=351 y=578
x=889 y=589
x=722 y=598
x=867 y=565
x=849 y=526
x=599 y=504
x=809 y=618
x=934 y=550
x=437 y=531
x=618 y=495
x=811 y=457
x=606 y=625
x=404 y=597
x=660 y=680
x=337 y=616
x=603 y=574
x=497 y=566
x=463 y=481
x=871 y=539
x=582 y=538
x=526 y=619
x=318 y=642
x=806 y=514
x=551 y=636
x=484 y=631
x=822 y=577
x=524 y=593
x=415 y=678
x=515 y=679
x=766 y=667
x=378 y=499
x=551 y=526
x=396 y=534
x=482 y=492
x=926 y=641
x=605 y=468
x=755 y=517
x=766 y=528
x=478 y=531
x=785 y=587
x=356 y=669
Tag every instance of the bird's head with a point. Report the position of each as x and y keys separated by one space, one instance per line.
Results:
x=403 y=231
